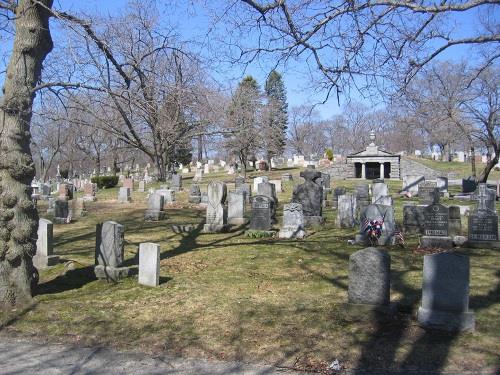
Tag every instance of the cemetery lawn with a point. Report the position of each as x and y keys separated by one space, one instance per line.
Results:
x=230 y=297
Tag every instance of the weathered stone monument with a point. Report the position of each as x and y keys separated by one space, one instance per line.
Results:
x=128 y=183
x=149 y=264
x=109 y=251
x=44 y=256
x=379 y=191
x=346 y=211
x=483 y=223
x=269 y=190
x=236 y=208
x=124 y=195
x=194 y=194
x=336 y=193
x=490 y=195
x=413 y=219
x=369 y=277
x=257 y=181
x=168 y=195
x=216 y=212
x=155 y=209
x=176 y=182
x=426 y=192
x=61 y=212
x=455 y=221
x=310 y=196
x=262 y=213
x=293 y=222
x=89 y=191
x=362 y=196
x=142 y=186
x=445 y=293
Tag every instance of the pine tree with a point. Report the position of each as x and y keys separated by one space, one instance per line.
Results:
x=243 y=119
x=276 y=118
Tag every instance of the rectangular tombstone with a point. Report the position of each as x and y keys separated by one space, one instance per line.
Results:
x=238 y=181
x=455 y=221
x=336 y=193
x=369 y=277
x=277 y=185
x=44 y=256
x=293 y=221
x=436 y=220
x=194 y=194
x=142 y=187
x=262 y=208
x=483 y=225
x=489 y=195
x=61 y=211
x=257 y=181
x=245 y=188
x=124 y=195
x=168 y=195
x=176 y=184
x=155 y=208
x=325 y=180
x=426 y=192
x=469 y=184
x=445 y=293
x=346 y=212
x=236 y=208
x=413 y=219
x=380 y=213
x=379 y=190
x=149 y=264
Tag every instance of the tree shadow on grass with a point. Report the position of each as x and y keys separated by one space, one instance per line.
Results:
x=71 y=279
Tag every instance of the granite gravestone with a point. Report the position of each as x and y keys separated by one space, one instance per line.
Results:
x=194 y=194
x=109 y=251
x=61 y=212
x=336 y=193
x=245 y=188
x=413 y=219
x=176 y=182
x=45 y=191
x=483 y=222
x=293 y=221
x=369 y=277
x=238 y=181
x=445 y=293
x=454 y=221
x=379 y=190
x=269 y=190
x=44 y=256
x=124 y=195
x=216 y=212
x=149 y=264
x=257 y=181
x=426 y=192
x=346 y=212
x=310 y=196
x=262 y=213
x=362 y=196
x=469 y=184
x=236 y=208
x=436 y=223
x=490 y=194
x=380 y=213
x=155 y=210
x=89 y=190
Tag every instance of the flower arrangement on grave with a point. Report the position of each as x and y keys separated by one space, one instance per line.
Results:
x=373 y=229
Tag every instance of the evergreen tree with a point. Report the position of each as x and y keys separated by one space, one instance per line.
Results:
x=243 y=120
x=276 y=116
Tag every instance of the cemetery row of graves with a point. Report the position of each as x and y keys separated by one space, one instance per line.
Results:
x=286 y=253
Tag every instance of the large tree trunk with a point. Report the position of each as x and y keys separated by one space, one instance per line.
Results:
x=18 y=216
x=483 y=177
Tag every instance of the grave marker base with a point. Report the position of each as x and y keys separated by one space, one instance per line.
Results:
x=41 y=261
x=214 y=228
x=446 y=320
x=111 y=273
x=436 y=241
x=151 y=215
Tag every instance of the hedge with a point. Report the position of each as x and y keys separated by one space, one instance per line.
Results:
x=105 y=181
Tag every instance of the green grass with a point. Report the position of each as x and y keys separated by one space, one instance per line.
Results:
x=229 y=296
x=459 y=169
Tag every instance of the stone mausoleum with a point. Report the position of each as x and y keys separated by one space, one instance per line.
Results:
x=373 y=163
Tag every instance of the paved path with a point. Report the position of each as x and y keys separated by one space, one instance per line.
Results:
x=20 y=356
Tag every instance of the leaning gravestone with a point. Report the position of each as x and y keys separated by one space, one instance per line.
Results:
x=310 y=196
x=236 y=208
x=216 y=212
x=194 y=194
x=61 y=212
x=380 y=213
x=262 y=213
x=109 y=251
x=369 y=277
x=445 y=293
x=149 y=264
x=436 y=232
x=293 y=221
x=426 y=192
x=155 y=210
x=483 y=222
x=124 y=195
x=411 y=182
x=44 y=256
x=346 y=211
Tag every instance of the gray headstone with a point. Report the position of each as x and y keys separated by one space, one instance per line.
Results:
x=176 y=182
x=194 y=194
x=124 y=195
x=109 y=251
x=245 y=188
x=489 y=194
x=44 y=256
x=142 y=187
x=238 y=181
x=442 y=184
x=379 y=190
x=155 y=208
x=61 y=210
x=455 y=221
x=336 y=193
x=149 y=264
x=469 y=184
x=286 y=177
x=269 y=190
x=257 y=181
x=445 y=293
x=413 y=219
x=236 y=208
x=346 y=211
x=310 y=196
x=293 y=221
x=426 y=192
x=369 y=277
x=216 y=213
x=436 y=220
x=377 y=212
x=168 y=195
x=262 y=209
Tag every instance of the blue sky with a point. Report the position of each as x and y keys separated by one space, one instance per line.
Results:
x=190 y=18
